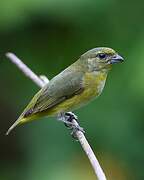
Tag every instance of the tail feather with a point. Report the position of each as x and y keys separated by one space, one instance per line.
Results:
x=12 y=127
x=16 y=123
x=19 y=121
x=26 y=115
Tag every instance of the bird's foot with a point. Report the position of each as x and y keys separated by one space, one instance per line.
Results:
x=69 y=122
x=68 y=118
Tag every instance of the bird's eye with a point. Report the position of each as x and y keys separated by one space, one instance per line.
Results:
x=102 y=55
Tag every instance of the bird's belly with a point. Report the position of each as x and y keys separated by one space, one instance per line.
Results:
x=73 y=103
x=93 y=88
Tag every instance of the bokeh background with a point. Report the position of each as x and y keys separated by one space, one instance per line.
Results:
x=48 y=35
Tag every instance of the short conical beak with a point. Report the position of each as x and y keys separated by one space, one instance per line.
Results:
x=116 y=59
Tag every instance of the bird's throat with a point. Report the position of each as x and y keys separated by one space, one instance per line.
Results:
x=94 y=82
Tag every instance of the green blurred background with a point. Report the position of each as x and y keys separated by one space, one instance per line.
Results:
x=49 y=35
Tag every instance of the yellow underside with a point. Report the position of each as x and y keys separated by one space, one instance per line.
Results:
x=93 y=85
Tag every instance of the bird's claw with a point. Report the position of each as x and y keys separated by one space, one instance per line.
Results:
x=74 y=131
x=70 y=125
x=68 y=118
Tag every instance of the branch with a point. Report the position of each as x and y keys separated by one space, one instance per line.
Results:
x=25 y=69
x=41 y=81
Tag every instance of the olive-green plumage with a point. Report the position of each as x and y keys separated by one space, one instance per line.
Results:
x=75 y=86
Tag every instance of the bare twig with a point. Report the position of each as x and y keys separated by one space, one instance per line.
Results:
x=25 y=69
x=41 y=81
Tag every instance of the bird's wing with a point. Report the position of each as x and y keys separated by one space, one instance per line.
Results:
x=60 y=88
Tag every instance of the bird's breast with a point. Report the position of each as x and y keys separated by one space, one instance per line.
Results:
x=94 y=84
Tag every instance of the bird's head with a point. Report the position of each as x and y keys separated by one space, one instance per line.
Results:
x=100 y=58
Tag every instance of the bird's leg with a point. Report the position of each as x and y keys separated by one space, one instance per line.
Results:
x=68 y=118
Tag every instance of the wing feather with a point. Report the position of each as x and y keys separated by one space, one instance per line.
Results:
x=60 y=88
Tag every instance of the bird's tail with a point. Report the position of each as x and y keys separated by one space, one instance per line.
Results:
x=19 y=121
x=16 y=123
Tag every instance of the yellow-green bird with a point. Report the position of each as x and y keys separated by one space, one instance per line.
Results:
x=74 y=87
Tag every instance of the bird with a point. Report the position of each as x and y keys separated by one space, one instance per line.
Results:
x=72 y=88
